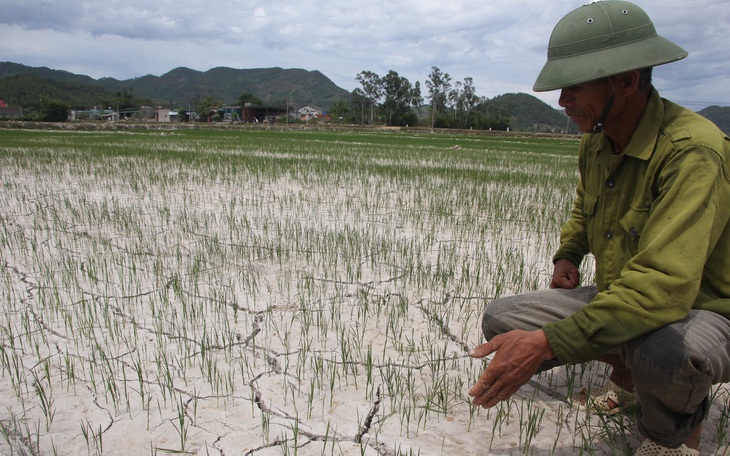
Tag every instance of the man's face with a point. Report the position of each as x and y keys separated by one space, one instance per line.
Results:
x=585 y=102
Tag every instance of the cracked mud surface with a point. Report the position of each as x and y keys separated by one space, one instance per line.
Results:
x=155 y=306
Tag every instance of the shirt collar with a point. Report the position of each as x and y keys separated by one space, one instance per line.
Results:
x=643 y=141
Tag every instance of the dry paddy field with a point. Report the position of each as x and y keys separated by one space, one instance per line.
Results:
x=263 y=292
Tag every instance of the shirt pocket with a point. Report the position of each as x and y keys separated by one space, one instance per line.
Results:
x=634 y=222
x=590 y=201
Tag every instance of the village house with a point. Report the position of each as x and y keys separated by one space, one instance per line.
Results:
x=255 y=114
x=163 y=115
x=9 y=112
x=312 y=113
x=93 y=114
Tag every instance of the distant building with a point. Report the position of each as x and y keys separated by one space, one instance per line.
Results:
x=9 y=112
x=260 y=114
x=162 y=115
x=93 y=114
x=313 y=114
x=308 y=111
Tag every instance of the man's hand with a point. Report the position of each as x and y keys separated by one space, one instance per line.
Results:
x=565 y=275
x=519 y=355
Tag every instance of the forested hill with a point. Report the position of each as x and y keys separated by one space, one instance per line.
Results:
x=528 y=113
x=8 y=69
x=23 y=85
x=271 y=85
x=27 y=91
x=719 y=115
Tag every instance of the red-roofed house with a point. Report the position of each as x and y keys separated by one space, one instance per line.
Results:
x=7 y=112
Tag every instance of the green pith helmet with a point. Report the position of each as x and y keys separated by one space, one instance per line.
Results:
x=603 y=39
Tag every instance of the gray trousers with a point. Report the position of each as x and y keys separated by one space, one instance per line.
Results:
x=673 y=367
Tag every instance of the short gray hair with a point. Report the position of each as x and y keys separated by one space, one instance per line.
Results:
x=645 y=79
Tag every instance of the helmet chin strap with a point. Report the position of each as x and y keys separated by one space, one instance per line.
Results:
x=598 y=127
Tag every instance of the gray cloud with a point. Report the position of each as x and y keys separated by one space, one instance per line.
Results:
x=500 y=44
x=46 y=14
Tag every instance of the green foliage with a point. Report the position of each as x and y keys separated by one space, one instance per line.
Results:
x=523 y=112
x=397 y=92
x=27 y=91
x=475 y=120
x=53 y=111
x=464 y=99
x=391 y=99
x=247 y=97
x=372 y=90
x=456 y=107
x=344 y=111
x=179 y=87
x=125 y=99
x=205 y=109
x=270 y=85
x=8 y=69
x=438 y=84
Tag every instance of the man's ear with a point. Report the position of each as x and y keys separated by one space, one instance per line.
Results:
x=628 y=82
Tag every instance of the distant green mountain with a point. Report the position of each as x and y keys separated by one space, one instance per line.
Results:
x=180 y=86
x=528 y=113
x=719 y=115
x=271 y=85
x=28 y=90
x=8 y=69
x=25 y=86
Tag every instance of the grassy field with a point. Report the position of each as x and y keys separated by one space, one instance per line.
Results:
x=274 y=292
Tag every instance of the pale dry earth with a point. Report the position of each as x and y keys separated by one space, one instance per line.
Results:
x=242 y=315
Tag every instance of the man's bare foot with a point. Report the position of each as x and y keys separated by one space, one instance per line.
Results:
x=693 y=440
x=620 y=375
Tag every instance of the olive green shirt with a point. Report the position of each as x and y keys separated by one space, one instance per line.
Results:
x=656 y=220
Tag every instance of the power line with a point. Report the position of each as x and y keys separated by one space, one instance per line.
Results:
x=702 y=104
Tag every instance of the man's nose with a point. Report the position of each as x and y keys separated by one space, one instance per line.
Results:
x=565 y=98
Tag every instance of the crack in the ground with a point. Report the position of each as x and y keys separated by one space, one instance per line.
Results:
x=358 y=438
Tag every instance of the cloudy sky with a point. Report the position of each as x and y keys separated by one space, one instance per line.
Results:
x=501 y=44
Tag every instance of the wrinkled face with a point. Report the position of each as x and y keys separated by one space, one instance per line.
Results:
x=584 y=103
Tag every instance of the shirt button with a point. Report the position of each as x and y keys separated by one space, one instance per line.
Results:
x=632 y=231
x=608 y=235
x=610 y=183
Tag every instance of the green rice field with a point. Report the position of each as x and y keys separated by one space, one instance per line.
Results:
x=281 y=292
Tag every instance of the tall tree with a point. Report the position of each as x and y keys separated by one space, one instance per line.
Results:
x=247 y=97
x=438 y=84
x=417 y=98
x=53 y=111
x=359 y=99
x=350 y=111
x=205 y=108
x=372 y=89
x=465 y=99
x=397 y=93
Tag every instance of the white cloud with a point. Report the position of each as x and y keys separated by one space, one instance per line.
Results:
x=500 y=44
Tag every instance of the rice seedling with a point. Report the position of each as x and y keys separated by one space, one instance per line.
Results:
x=247 y=291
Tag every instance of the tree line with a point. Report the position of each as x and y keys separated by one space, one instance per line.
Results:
x=393 y=100
x=380 y=100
